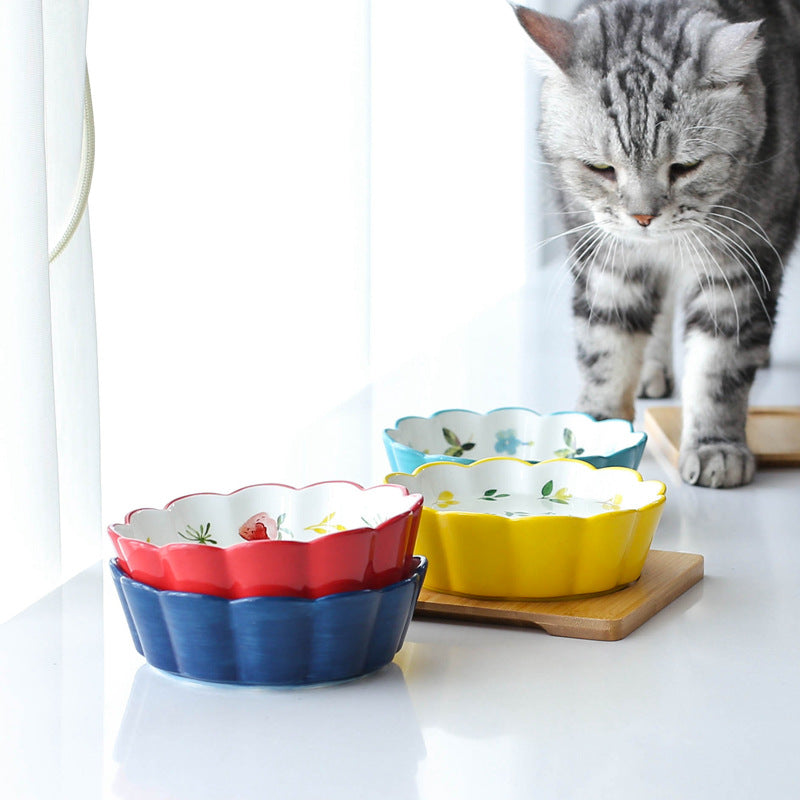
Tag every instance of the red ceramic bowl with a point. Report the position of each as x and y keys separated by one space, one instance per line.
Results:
x=320 y=539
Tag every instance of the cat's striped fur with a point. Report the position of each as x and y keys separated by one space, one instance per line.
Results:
x=673 y=131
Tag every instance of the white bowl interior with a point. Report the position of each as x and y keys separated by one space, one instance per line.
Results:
x=517 y=432
x=303 y=514
x=515 y=489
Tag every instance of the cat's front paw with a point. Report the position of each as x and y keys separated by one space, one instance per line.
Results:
x=720 y=465
x=656 y=381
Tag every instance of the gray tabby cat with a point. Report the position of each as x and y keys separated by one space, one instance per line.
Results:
x=673 y=130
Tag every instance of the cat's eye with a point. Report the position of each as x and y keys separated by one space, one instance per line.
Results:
x=679 y=170
x=601 y=168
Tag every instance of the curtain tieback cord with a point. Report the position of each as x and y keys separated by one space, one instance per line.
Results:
x=85 y=176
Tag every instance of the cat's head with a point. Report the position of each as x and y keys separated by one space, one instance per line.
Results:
x=651 y=112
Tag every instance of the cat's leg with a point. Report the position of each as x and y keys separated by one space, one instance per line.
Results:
x=658 y=377
x=716 y=385
x=614 y=312
x=728 y=328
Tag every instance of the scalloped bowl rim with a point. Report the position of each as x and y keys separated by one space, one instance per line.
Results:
x=389 y=433
x=415 y=503
x=419 y=565
x=660 y=486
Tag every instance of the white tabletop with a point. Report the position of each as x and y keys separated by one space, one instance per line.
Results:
x=702 y=701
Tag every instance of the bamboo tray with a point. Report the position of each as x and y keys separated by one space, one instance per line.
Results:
x=773 y=433
x=666 y=576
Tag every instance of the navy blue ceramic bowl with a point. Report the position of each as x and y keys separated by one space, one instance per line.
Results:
x=274 y=641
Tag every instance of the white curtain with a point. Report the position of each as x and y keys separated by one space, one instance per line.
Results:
x=289 y=200
x=49 y=424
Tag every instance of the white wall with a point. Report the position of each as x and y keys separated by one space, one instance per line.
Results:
x=448 y=168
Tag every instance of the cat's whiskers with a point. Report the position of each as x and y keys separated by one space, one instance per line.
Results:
x=761 y=233
x=559 y=213
x=741 y=245
x=716 y=146
x=587 y=257
x=535 y=248
x=601 y=274
x=712 y=312
x=575 y=265
x=538 y=162
x=710 y=128
x=583 y=242
x=618 y=248
x=788 y=147
x=551 y=186
x=680 y=239
x=735 y=240
x=567 y=206
x=583 y=257
x=740 y=134
x=725 y=279
x=743 y=213
x=725 y=244
x=582 y=247
x=561 y=235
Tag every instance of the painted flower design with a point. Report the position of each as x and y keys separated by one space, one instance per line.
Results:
x=613 y=503
x=445 y=499
x=326 y=525
x=507 y=442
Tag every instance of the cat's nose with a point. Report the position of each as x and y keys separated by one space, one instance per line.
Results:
x=644 y=219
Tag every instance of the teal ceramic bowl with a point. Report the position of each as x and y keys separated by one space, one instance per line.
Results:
x=467 y=436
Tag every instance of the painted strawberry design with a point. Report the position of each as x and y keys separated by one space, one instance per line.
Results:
x=259 y=526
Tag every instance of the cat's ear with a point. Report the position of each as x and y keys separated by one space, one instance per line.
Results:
x=731 y=53
x=555 y=37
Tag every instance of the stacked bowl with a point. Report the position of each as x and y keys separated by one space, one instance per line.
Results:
x=271 y=585
x=552 y=508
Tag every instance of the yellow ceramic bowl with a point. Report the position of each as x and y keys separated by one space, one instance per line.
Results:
x=506 y=528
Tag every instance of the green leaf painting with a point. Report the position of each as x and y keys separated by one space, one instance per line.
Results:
x=201 y=536
x=492 y=494
x=571 y=450
x=457 y=447
x=561 y=496
x=283 y=533
x=450 y=437
x=374 y=521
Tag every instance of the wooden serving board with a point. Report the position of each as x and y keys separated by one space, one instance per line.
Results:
x=773 y=433
x=610 y=617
